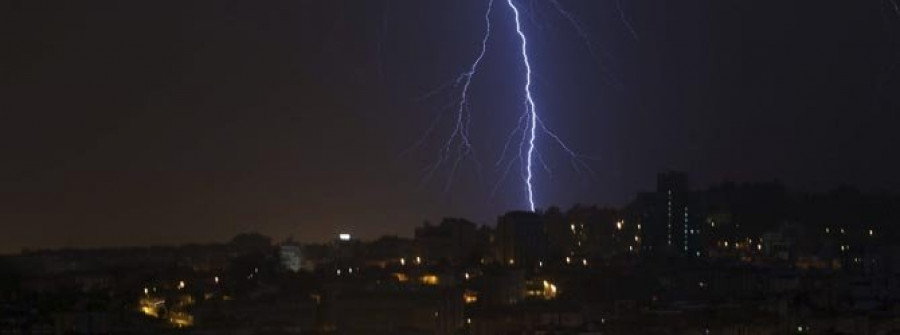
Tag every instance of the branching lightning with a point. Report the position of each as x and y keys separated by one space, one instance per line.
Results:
x=528 y=127
x=460 y=134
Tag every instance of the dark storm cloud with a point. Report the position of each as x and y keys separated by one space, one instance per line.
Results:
x=134 y=123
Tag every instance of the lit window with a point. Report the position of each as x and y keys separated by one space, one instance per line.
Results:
x=549 y=290
x=429 y=280
x=470 y=297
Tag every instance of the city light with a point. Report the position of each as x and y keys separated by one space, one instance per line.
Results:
x=181 y=284
x=549 y=290
x=429 y=280
x=344 y=237
x=181 y=320
x=470 y=297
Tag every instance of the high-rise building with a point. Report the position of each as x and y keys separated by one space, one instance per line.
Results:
x=670 y=217
x=673 y=186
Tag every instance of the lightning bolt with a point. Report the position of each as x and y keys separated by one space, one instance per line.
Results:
x=532 y=123
x=530 y=110
x=529 y=122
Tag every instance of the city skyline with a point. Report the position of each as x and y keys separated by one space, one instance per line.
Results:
x=751 y=258
x=685 y=195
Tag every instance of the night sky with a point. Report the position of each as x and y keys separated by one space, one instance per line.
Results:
x=135 y=122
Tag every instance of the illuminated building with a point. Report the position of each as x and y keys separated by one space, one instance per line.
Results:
x=670 y=218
